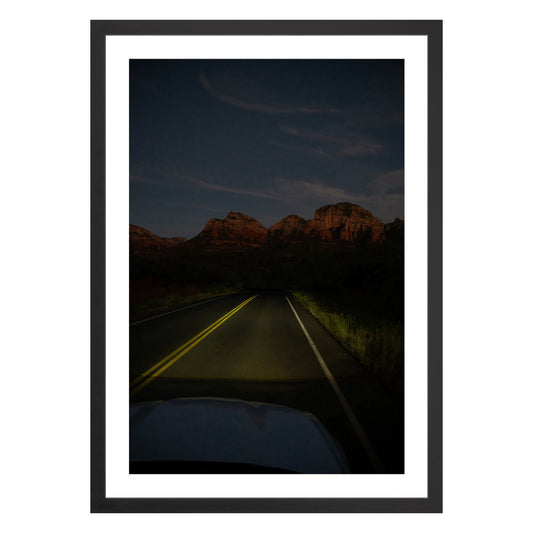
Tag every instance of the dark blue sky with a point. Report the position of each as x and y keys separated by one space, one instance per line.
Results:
x=267 y=138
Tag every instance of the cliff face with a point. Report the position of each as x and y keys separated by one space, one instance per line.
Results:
x=290 y=230
x=347 y=223
x=142 y=239
x=395 y=227
x=236 y=230
x=395 y=232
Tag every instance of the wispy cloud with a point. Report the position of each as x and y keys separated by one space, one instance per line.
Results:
x=203 y=184
x=196 y=206
x=299 y=148
x=382 y=199
x=283 y=190
x=148 y=181
x=223 y=188
x=333 y=144
x=273 y=107
x=387 y=182
x=307 y=191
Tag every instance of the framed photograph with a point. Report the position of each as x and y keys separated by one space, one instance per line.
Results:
x=266 y=266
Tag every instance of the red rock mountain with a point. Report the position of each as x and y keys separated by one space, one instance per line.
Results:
x=290 y=230
x=236 y=230
x=395 y=227
x=395 y=232
x=347 y=223
x=142 y=239
x=177 y=240
x=341 y=224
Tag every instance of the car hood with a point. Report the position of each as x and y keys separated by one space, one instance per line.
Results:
x=221 y=430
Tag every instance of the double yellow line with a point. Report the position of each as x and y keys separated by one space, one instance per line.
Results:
x=147 y=376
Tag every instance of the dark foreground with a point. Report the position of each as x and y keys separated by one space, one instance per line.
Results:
x=260 y=353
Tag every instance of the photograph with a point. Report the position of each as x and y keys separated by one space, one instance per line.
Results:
x=266 y=266
x=247 y=240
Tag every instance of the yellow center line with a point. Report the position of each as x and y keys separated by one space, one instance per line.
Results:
x=182 y=350
x=172 y=354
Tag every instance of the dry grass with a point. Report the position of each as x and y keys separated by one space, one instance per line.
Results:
x=378 y=344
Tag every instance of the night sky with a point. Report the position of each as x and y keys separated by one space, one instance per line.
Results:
x=267 y=138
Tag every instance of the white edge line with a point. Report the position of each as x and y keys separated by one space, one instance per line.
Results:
x=356 y=425
x=176 y=310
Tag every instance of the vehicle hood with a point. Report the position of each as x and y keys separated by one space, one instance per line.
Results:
x=233 y=431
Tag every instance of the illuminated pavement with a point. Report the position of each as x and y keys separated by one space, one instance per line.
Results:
x=252 y=347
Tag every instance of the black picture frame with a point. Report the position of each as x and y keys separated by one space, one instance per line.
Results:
x=102 y=28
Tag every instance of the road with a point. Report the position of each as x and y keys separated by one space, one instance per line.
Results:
x=266 y=347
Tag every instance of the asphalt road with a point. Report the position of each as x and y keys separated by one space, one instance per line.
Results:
x=253 y=347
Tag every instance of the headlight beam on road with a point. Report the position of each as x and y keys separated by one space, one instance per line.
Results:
x=149 y=375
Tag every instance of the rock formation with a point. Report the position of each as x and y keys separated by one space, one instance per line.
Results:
x=143 y=240
x=236 y=230
x=288 y=231
x=347 y=223
x=343 y=225
x=394 y=227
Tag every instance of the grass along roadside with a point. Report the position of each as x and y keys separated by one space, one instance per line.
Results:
x=378 y=344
